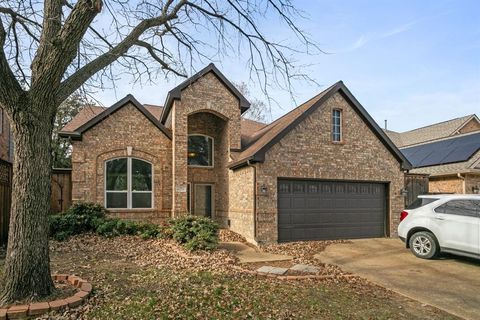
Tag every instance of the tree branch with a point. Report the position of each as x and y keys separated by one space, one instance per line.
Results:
x=73 y=82
x=10 y=89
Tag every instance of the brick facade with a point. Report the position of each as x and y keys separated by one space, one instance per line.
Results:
x=204 y=103
x=110 y=139
x=449 y=184
x=209 y=106
x=467 y=184
x=307 y=152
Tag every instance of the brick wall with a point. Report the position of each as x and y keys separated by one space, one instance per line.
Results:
x=241 y=206
x=307 y=152
x=450 y=184
x=472 y=181
x=109 y=139
x=206 y=95
x=215 y=127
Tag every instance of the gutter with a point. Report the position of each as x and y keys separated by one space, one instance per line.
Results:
x=249 y=163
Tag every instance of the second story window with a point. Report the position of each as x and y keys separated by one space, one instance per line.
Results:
x=337 y=125
x=200 y=150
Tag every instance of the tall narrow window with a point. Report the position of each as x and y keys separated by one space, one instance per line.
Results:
x=336 y=125
x=200 y=151
x=128 y=184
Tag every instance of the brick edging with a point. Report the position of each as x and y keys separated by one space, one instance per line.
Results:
x=281 y=277
x=39 y=308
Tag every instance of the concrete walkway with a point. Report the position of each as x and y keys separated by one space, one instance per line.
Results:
x=247 y=254
x=451 y=284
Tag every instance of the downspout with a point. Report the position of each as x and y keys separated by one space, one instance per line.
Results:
x=463 y=182
x=249 y=163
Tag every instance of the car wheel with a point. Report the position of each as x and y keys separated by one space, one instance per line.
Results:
x=424 y=245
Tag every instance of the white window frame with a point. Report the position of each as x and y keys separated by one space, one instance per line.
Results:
x=213 y=151
x=340 y=131
x=129 y=185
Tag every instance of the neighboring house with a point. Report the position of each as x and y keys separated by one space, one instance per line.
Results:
x=435 y=131
x=449 y=152
x=325 y=170
x=6 y=142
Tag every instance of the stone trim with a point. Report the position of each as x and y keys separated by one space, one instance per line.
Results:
x=39 y=308
x=281 y=277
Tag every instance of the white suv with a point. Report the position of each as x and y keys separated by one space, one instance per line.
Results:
x=442 y=223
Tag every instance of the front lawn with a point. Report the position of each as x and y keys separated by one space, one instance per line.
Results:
x=158 y=279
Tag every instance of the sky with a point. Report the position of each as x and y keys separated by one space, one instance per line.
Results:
x=412 y=63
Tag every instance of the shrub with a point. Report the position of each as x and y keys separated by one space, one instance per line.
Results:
x=80 y=218
x=91 y=217
x=195 y=233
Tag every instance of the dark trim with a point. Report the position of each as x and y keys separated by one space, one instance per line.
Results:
x=402 y=238
x=175 y=93
x=337 y=87
x=77 y=134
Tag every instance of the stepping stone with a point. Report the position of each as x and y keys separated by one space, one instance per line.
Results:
x=278 y=271
x=265 y=269
x=305 y=268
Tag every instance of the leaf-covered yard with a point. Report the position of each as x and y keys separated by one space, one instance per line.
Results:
x=157 y=279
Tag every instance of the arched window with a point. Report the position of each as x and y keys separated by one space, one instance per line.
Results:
x=128 y=184
x=200 y=150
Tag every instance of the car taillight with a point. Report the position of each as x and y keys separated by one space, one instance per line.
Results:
x=403 y=215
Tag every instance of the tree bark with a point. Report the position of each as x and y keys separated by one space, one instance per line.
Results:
x=27 y=266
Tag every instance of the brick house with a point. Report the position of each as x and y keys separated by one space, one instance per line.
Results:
x=449 y=152
x=325 y=170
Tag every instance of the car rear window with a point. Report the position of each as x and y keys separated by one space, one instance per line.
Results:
x=420 y=202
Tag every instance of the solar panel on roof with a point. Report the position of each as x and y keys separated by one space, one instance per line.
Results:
x=442 y=152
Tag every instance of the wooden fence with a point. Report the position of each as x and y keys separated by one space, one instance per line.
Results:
x=5 y=199
x=61 y=198
x=415 y=185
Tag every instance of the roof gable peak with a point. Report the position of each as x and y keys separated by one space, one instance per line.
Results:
x=175 y=93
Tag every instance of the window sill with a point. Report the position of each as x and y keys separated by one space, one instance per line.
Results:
x=338 y=142
x=202 y=167
x=131 y=210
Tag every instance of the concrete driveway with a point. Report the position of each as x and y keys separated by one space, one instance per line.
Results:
x=449 y=283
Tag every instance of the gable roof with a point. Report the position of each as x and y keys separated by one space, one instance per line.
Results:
x=431 y=132
x=175 y=93
x=90 y=116
x=458 y=148
x=268 y=136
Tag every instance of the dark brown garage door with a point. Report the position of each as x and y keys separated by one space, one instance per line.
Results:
x=323 y=210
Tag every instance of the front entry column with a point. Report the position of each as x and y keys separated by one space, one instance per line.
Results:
x=179 y=161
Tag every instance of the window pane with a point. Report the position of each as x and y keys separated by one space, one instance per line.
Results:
x=117 y=174
x=461 y=207
x=141 y=200
x=141 y=175
x=200 y=151
x=116 y=200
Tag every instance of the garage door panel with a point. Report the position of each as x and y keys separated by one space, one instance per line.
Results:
x=318 y=210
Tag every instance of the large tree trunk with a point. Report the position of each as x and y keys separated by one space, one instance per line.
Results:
x=27 y=266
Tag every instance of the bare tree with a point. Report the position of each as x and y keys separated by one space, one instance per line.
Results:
x=258 y=111
x=68 y=109
x=49 y=49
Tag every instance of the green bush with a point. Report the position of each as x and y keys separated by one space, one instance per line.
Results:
x=80 y=218
x=195 y=233
x=91 y=217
